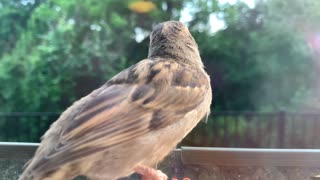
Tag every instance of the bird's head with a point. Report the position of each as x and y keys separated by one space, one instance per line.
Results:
x=172 y=39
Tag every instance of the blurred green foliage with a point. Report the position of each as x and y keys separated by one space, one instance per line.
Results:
x=56 y=51
x=53 y=52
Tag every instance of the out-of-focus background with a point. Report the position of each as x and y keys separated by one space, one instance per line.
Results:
x=263 y=57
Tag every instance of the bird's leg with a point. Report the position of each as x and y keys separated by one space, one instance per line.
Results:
x=149 y=173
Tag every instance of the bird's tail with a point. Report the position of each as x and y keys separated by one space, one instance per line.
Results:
x=26 y=176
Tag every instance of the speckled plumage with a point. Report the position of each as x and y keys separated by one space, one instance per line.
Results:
x=136 y=118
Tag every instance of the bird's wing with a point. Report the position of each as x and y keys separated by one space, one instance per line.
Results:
x=145 y=97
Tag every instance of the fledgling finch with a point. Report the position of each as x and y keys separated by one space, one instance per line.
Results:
x=134 y=120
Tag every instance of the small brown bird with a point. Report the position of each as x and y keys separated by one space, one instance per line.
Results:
x=134 y=120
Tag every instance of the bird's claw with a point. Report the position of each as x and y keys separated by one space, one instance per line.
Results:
x=150 y=173
x=182 y=179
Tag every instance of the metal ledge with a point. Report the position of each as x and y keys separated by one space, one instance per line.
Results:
x=206 y=155
x=12 y=150
x=251 y=157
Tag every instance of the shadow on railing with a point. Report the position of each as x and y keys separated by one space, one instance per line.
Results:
x=201 y=163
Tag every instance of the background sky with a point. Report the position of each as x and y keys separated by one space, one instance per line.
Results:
x=249 y=2
x=216 y=23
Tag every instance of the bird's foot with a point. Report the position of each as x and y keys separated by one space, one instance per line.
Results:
x=150 y=173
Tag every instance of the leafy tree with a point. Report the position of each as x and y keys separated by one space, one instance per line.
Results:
x=61 y=50
x=14 y=16
x=257 y=63
x=66 y=49
x=55 y=51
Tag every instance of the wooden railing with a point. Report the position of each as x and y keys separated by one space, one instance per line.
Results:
x=224 y=129
x=258 y=130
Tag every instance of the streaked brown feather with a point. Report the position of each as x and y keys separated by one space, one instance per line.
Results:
x=145 y=97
